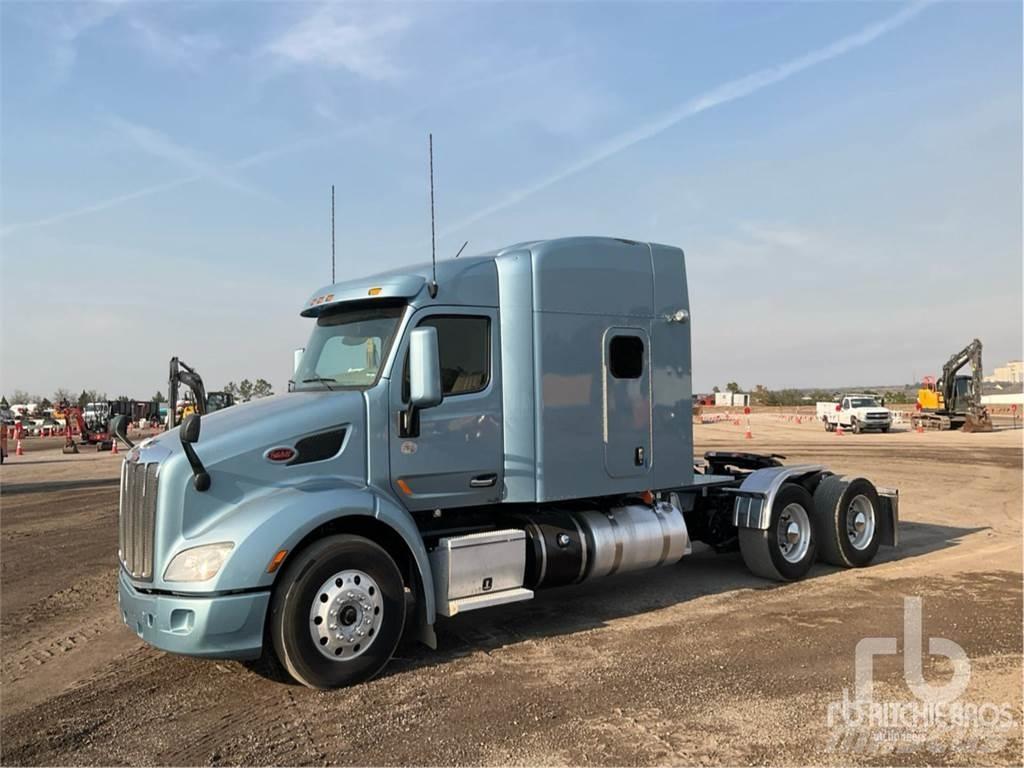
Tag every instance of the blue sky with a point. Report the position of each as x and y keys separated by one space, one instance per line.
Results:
x=845 y=178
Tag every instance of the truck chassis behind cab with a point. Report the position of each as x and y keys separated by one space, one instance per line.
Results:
x=519 y=421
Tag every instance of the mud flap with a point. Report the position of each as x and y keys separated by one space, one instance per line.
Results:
x=889 y=499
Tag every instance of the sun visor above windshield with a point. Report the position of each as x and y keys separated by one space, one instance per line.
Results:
x=393 y=287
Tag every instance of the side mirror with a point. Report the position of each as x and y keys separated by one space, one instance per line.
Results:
x=424 y=368
x=119 y=428
x=297 y=358
x=424 y=379
x=189 y=434
x=190 y=429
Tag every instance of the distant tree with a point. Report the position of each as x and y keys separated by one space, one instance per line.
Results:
x=21 y=397
x=158 y=397
x=733 y=387
x=4 y=404
x=715 y=389
x=61 y=394
x=45 y=404
x=83 y=399
x=262 y=388
x=232 y=389
x=245 y=390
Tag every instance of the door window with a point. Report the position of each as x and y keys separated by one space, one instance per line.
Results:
x=626 y=357
x=464 y=346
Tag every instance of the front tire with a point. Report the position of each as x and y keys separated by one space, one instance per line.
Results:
x=787 y=549
x=855 y=425
x=847 y=521
x=337 y=612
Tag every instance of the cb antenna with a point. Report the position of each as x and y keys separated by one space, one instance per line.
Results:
x=332 y=233
x=462 y=249
x=433 y=249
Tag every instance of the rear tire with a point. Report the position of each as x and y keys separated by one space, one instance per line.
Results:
x=337 y=612
x=847 y=521
x=787 y=549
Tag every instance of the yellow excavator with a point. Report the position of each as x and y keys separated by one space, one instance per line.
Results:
x=200 y=402
x=954 y=401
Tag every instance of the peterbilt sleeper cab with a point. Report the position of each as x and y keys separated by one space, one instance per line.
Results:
x=524 y=422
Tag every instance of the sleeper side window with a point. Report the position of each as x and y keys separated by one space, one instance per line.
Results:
x=464 y=346
x=626 y=357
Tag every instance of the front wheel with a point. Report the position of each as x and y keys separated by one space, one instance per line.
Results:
x=786 y=550
x=337 y=612
x=855 y=425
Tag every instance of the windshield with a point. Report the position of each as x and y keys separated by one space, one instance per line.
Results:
x=863 y=402
x=348 y=347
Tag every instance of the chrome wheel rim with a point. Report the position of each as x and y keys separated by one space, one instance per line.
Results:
x=346 y=615
x=794 y=533
x=860 y=522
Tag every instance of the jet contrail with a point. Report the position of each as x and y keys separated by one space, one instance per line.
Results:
x=723 y=94
x=210 y=172
x=267 y=155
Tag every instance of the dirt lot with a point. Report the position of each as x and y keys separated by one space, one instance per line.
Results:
x=695 y=663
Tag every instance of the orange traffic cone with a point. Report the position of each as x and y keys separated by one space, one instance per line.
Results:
x=18 y=451
x=113 y=447
x=839 y=429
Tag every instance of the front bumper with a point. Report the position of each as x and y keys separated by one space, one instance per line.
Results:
x=220 y=627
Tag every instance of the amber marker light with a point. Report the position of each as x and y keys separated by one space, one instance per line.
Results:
x=276 y=562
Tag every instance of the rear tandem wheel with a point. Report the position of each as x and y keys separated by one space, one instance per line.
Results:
x=787 y=549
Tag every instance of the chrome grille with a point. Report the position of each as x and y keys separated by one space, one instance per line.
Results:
x=137 y=520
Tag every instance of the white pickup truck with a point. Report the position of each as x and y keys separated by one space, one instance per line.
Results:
x=858 y=413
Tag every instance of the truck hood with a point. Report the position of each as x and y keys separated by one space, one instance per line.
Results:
x=232 y=446
x=261 y=424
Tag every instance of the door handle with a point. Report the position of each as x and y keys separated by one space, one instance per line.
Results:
x=483 y=481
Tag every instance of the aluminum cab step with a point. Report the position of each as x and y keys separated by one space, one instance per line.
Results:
x=479 y=570
x=486 y=600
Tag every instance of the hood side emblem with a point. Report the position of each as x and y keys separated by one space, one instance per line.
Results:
x=280 y=454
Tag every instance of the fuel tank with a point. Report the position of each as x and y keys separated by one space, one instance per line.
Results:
x=569 y=546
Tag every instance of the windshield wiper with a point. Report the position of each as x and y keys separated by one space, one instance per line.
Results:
x=321 y=380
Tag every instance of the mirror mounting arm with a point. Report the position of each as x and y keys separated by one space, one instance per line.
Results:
x=409 y=421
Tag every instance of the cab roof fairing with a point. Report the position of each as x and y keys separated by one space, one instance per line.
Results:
x=467 y=281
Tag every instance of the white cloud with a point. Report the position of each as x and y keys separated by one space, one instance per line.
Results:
x=70 y=23
x=335 y=38
x=184 y=50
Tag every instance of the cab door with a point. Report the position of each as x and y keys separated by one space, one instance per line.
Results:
x=451 y=455
x=627 y=402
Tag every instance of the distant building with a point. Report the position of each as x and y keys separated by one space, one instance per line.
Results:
x=1011 y=373
x=740 y=399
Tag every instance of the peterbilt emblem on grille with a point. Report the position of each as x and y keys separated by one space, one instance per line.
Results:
x=280 y=454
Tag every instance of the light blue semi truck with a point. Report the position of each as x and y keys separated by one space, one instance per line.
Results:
x=454 y=439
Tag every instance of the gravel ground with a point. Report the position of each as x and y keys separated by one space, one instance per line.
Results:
x=697 y=663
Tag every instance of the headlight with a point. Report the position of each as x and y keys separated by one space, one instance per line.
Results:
x=198 y=563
